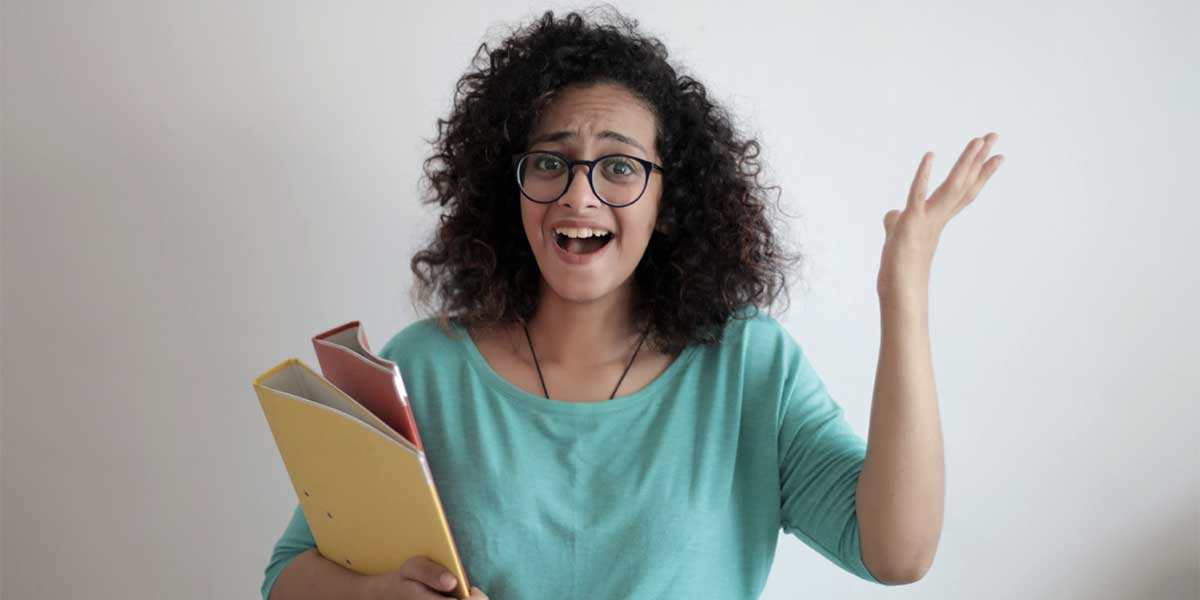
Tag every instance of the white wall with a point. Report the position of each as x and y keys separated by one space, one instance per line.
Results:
x=184 y=185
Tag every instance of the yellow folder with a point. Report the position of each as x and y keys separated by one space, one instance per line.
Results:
x=366 y=491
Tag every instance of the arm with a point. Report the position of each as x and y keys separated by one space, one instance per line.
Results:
x=297 y=570
x=296 y=574
x=820 y=460
x=310 y=575
x=901 y=490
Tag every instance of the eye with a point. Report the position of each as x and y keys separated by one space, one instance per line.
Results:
x=621 y=166
x=545 y=162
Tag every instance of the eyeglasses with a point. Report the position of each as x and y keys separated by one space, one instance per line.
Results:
x=545 y=176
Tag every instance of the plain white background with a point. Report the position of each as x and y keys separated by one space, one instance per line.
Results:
x=192 y=190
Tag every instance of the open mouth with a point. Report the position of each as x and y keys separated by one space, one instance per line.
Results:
x=586 y=245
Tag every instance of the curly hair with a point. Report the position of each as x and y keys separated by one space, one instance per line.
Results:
x=716 y=253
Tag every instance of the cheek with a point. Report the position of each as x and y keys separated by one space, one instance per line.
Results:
x=637 y=226
x=531 y=222
x=653 y=207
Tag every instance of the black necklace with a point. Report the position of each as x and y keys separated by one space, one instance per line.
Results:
x=539 y=367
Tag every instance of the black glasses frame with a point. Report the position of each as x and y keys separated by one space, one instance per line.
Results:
x=649 y=167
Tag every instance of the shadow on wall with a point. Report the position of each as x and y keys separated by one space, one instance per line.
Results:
x=1155 y=556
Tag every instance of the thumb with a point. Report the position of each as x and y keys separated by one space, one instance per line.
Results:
x=890 y=219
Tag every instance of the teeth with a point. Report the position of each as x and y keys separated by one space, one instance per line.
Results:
x=581 y=232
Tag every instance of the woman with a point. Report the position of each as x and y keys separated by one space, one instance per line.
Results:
x=606 y=411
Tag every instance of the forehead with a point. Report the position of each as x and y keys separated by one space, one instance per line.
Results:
x=586 y=111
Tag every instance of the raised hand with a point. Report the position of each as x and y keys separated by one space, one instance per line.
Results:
x=912 y=233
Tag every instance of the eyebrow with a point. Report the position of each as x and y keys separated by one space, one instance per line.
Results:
x=558 y=136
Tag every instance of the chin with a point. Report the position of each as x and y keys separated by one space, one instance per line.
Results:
x=581 y=292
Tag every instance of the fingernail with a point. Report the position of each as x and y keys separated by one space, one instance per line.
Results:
x=447 y=580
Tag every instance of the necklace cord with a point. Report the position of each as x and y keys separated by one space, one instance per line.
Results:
x=635 y=351
x=535 y=362
x=543 y=379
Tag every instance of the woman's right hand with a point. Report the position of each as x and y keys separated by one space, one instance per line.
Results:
x=417 y=579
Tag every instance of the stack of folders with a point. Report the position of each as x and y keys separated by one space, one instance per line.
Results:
x=351 y=449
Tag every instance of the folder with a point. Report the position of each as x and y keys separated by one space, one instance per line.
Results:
x=365 y=489
x=348 y=363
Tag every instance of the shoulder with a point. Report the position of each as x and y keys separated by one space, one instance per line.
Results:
x=423 y=337
x=770 y=361
x=759 y=335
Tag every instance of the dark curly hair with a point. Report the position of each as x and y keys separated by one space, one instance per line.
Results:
x=718 y=252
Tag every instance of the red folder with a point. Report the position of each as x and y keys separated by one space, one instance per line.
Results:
x=348 y=363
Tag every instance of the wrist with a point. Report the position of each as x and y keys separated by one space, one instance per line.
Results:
x=904 y=298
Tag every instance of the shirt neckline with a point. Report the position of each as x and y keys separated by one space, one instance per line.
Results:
x=496 y=382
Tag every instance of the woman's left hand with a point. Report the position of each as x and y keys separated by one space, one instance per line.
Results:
x=912 y=234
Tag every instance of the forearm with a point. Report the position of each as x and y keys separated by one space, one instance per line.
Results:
x=902 y=486
x=310 y=576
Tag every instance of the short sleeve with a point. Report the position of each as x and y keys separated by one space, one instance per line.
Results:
x=296 y=539
x=820 y=459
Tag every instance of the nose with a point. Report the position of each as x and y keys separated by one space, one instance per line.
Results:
x=579 y=192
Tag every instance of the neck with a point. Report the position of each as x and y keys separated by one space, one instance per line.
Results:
x=580 y=335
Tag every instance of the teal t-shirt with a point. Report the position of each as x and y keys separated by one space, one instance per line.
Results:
x=678 y=490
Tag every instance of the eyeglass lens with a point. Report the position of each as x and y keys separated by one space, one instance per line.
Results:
x=617 y=180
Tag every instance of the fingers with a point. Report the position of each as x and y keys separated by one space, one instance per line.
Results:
x=477 y=594
x=988 y=141
x=981 y=170
x=988 y=168
x=916 y=192
x=428 y=572
x=397 y=586
x=966 y=177
x=962 y=168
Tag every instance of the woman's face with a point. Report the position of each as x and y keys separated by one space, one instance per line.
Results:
x=586 y=123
